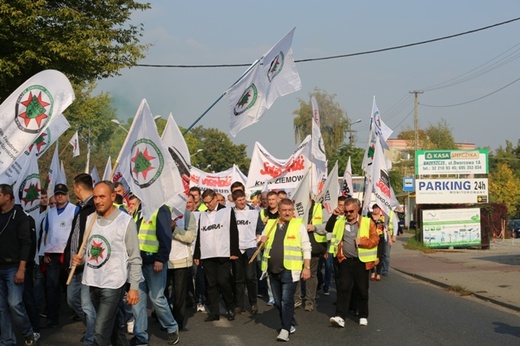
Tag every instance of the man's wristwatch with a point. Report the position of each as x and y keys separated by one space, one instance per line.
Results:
x=308 y=268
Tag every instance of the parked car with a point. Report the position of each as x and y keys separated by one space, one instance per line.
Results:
x=513 y=225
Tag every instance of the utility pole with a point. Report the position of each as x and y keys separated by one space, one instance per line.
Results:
x=416 y=117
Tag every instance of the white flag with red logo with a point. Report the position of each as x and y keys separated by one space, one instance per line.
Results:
x=319 y=158
x=74 y=141
x=29 y=110
x=270 y=77
x=330 y=193
x=146 y=164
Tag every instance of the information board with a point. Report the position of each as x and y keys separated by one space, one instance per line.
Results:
x=451 y=227
x=441 y=191
x=444 y=162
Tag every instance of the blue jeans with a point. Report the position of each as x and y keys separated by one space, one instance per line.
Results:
x=39 y=288
x=78 y=298
x=11 y=306
x=106 y=302
x=325 y=280
x=283 y=289
x=153 y=286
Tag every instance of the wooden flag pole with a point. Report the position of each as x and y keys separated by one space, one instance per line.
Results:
x=83 y=244
x=262 y=244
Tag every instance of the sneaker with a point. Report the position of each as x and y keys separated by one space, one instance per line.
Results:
x=283 y=336
x=201 y=308
x=29 y=340
x=173 y=338
x=297 y=304
x=309 y=307
x=326 y=291
x=36 y=336
x=130 y=326
x=270 y=303
x=337 y=321
x=363 y=322
x=293 y=330
x=135 y=342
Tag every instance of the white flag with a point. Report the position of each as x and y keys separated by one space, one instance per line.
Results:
x=108 y=169
x=378 y=132
x=54 y=176
x=95 y=175
x=42 y=143
x=330 y=193
x=302 y=199
x=347 y=189
x=75 y=144
x=319 y=159
x=173 y=140
x=27 y=189
x=379 y=183
x=146 y=164
x=29 y=110
x=270 y=77
x=62 y=173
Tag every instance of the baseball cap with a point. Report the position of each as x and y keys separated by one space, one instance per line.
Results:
x=61 y=188
x=375 y=206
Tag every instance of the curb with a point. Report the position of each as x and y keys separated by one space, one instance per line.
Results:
x=476 y=295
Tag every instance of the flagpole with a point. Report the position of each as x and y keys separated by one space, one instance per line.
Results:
x=220 y=98
x=88 y=151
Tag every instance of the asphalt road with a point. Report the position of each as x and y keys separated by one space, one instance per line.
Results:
x=403 y=311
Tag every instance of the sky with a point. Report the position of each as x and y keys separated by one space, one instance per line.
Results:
x=239 y=32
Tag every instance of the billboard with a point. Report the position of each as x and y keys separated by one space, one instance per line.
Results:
x=444 y=162
x=451 y=227
x=454 y=190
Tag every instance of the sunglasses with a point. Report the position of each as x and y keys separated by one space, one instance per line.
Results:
x=350 y=211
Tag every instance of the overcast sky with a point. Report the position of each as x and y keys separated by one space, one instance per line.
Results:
x=239 y=32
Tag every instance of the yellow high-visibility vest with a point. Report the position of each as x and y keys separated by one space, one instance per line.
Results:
x=364 y=254
x=292 y=250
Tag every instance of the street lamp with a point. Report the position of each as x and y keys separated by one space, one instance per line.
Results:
x=115 y=121
x=351 y=135
x=195 y=153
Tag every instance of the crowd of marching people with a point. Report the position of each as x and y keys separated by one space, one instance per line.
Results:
x=224 y=248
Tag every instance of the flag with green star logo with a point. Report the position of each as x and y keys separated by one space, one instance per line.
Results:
x=146 y=164
x=26 y=113
x=27 y=189
x=270 y=77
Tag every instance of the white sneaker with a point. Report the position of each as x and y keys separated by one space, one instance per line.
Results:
x=201 y=308
x=293 y=330
x=337 y=321
x=283 y=336
x=130 y=326
x=363 y=322
x=36 y=336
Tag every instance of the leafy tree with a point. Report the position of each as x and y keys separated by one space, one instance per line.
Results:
x=342 y=154
x=334 y=122
x=219 y=153
x=508 y=155
x=84 y=39
x=503 y=188
x=435 y=137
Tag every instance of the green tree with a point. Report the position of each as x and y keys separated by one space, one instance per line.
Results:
x=334 y=122
x=342 y=154
x=435 y=137
x=506 y=155
x=218 y=151
x=84 y=39
x=503 y=188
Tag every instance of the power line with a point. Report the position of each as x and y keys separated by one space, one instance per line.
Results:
x=478 y=98
x=343 y=55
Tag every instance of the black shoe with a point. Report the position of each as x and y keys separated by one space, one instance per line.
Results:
x=212 y=318
x=254 y=309
x=230 y=315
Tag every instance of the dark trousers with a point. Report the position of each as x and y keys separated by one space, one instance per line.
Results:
x=245 y=276
x=178 y=279
x=351 y=274
x=33 y=309
x=218 y=280
x=106 y=302
x=53 y=287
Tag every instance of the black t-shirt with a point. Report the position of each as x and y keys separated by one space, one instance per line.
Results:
x=275 y=264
